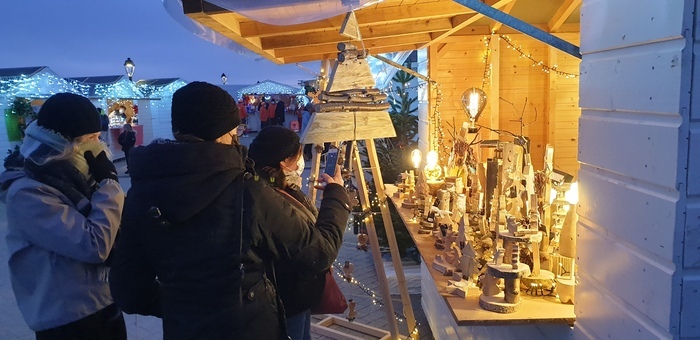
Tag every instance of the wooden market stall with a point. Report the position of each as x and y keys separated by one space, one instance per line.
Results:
x=118 y=97
x=267 y=90
x=532 y=88
x=635 y=81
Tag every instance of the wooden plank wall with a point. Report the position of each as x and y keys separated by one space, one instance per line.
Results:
x=551 y=112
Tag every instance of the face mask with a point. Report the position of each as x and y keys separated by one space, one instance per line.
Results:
x=293 y=177
x=300 y=166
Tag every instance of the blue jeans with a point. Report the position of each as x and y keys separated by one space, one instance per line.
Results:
x=299 y=326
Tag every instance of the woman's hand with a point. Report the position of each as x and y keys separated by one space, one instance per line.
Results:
x=326 y=179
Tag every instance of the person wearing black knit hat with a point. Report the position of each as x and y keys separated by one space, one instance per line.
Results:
x=277 y=154
x=269 y=150
x=199 y=232
x=63 y=212
x=204 y=111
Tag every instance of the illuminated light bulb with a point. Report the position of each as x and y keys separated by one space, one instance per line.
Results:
x=416 y=156
x=572 y=194
x=473 y=103
x=432 y=170
x=432 y=158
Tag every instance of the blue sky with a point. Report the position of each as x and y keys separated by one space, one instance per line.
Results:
x=93 y=37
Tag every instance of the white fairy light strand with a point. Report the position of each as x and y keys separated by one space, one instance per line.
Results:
x=375 y=301
x=544 y=67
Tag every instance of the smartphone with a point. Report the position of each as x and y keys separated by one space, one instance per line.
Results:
x=331 y=161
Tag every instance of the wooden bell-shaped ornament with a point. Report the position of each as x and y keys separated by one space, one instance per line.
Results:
x=362 y=239
x=348 y=268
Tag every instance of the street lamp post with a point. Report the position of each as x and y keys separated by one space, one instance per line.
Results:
x=224 y=78
x=129 y=66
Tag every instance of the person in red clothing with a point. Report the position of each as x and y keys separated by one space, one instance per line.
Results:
x=243 y=113
x=272 y=120
x=264 y=114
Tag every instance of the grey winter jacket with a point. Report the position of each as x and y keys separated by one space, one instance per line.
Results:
x=57 y=255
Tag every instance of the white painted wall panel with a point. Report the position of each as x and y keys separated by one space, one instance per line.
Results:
x=634 y=145
x=607 y=24
x=145 y=120
x=694 y=160
x=160 y=119
x=695 y=100
x=623 y=82
x=603 y=318
x=690 y=318
x=644 y=218
x=691 y=258
x=612 y=263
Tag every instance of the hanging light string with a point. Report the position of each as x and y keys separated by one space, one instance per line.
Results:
x=436 y=123
x=375 y=301
x=487 y=64
x=389 y=89
x=544 y=67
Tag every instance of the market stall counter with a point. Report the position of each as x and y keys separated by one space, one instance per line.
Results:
x=456 y=317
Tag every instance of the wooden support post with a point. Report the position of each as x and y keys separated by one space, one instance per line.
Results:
x=390 y=234
x=372 y=233
x=494 y=87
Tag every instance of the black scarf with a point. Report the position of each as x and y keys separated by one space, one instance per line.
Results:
x=60 y=174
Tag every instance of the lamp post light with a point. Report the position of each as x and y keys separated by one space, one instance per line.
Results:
x=224 y=78
x=129 y=66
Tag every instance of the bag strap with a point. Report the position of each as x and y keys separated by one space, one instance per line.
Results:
x=293 y=201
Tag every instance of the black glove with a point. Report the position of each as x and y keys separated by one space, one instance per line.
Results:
x=101 y=167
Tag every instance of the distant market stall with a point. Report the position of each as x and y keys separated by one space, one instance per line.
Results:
x=145 y=104
x=27 y=87
x=254 y=95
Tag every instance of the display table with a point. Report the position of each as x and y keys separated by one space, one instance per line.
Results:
x=454 y=317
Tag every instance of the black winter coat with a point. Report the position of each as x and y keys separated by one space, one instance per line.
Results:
x=178 y=253
x=299 y=290
x=127 y=139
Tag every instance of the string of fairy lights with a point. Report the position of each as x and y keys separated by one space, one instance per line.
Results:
x=45 y=84
x=535 y=63
x=375 y=301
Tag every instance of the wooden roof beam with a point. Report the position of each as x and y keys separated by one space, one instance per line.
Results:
x=563 y=13
x=382 y=31
x=365 y=17
x=369 y=44
x=325 y=56
x=232 y=31
x=461 y=21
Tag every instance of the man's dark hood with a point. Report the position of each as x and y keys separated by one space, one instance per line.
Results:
x=181 y=179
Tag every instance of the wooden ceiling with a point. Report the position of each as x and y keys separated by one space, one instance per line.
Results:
x=389 y=26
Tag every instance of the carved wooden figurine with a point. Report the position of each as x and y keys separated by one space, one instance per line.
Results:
x=348 y=268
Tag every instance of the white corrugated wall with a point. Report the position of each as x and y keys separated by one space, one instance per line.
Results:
x=639 y=224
